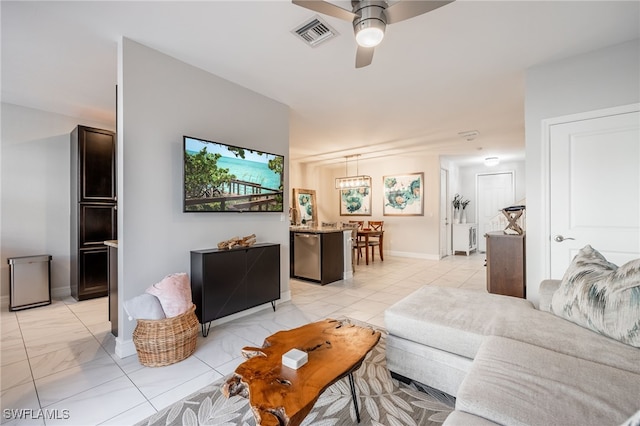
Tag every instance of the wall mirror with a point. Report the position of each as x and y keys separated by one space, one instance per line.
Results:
x=304 y=202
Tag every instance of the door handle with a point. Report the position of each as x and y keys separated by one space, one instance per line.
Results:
x=559 y=238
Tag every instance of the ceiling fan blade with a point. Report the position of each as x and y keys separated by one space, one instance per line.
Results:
x=326 y=9
x=408 y=9
x=364 y=56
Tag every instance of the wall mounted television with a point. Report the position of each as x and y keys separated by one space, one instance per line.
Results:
x=224 y=178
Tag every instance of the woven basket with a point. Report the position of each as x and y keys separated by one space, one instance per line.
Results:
x=166 y=341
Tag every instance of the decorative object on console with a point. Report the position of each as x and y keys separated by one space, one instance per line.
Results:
x=234 y=242
x=459 y=209
x=225 y=178
x=304 y=201
x=600 y=296
x=515 y=217
x=403 y=195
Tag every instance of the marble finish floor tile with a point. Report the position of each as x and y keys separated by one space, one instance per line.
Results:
x=72 y=381
x=182 y=391
x=72 y=356
x=153 y=381
x=18 y=400
x=56 y=342
x=220 y=347
x=64 y=353
x=131 y=416
x=15 y=374
x=99 y=403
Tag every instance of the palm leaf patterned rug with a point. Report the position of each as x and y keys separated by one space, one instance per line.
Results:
x=382 y=401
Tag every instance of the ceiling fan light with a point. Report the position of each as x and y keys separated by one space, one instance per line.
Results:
x=369 y=36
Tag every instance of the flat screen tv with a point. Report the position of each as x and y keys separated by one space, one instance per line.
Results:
x=226 y=178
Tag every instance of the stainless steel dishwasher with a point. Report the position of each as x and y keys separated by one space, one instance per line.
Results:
x=306 y=256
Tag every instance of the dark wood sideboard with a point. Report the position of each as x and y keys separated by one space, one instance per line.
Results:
x=224 y=282
x=506 y=267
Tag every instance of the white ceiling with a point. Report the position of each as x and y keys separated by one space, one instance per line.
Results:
x=458 y=68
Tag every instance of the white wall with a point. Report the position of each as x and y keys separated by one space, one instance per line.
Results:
x=468 y=183
x=601 y=79
x=160 y=100
x=412 y=236
x=35 y=189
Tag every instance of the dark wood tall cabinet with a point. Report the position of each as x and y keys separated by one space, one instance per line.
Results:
x=506 y=268
x=93 y=209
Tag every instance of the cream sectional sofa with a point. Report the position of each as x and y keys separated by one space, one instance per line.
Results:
x=507 y=362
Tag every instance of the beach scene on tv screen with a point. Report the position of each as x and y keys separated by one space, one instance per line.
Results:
x=220 y=177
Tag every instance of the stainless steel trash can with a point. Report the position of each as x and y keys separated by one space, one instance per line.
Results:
x=29 y=281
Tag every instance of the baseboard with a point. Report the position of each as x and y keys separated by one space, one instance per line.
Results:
x=125 y=348
x=412 y=255
x=60 y=292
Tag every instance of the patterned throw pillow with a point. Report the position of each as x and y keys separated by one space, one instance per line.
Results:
x=598 y=295
x=174 y=292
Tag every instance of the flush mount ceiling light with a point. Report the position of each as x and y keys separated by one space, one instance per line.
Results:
x=352 y=182
x=491 y=161
x=469 y=135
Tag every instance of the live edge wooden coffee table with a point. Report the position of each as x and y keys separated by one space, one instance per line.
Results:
x=281 y=395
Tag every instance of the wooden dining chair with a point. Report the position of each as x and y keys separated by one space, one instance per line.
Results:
x=360 y=224
x=356 y=243
x=375 y=225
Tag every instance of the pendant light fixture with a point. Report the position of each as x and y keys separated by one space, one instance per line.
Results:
x=352 y=182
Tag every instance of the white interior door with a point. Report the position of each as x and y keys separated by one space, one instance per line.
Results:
x=594 y=178
x=445 y=223
x=495 y=191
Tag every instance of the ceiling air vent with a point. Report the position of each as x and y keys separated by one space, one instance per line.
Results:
x=314 y=32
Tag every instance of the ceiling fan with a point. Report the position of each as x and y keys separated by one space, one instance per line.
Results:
x=370 y=18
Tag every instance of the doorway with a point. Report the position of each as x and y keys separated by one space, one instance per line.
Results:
x=445 y=224
x=494 y=191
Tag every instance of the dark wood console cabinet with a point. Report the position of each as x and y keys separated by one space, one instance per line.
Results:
x=506 y=264
x=224 y=282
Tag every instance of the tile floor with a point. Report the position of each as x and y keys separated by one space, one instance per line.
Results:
x=60 y=358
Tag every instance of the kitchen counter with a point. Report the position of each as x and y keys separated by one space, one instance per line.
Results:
x=316 y=230
x=321 y=255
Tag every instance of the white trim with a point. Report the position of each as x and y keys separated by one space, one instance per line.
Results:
x=124 y=348
x=545 y=170
x=60 y=292
x=413 y=255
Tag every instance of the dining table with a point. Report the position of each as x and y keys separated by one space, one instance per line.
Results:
x=366 y=233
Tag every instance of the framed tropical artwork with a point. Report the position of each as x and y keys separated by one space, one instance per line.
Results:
x=403 y=195
x=304 y=201
x=355 y=202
